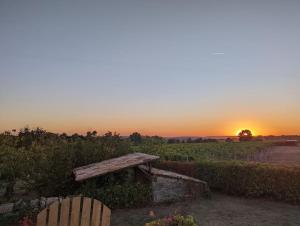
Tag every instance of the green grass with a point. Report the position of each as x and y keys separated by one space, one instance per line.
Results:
x=205 y=151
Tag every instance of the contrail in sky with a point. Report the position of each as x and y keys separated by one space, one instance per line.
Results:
x=218 y=53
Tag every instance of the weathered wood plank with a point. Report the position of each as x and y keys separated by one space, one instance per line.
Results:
x=64 y=212
x=112 y=165
x=96 y=213
x=86 y=212
x=41 y=218
x=165 y=173
x=53 y=214
x=105 y=216
x=75 y=211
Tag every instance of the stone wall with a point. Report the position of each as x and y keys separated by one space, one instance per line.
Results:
x=36 y=203
x=167 y=189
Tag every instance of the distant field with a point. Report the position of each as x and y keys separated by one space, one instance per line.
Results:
x=207 y=151
x=280 y=155
x=266 y=152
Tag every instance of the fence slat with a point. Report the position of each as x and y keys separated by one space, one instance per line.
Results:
x=53 y=214
x=75 y=211
x=96 y=213
x=86 y=212
x=41 y=218
x=105 y=216
x=64 y=212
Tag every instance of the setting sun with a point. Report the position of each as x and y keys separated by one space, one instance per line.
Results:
x=254 y=126
x=240 y=130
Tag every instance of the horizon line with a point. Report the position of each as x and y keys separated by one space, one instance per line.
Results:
x=154 y=134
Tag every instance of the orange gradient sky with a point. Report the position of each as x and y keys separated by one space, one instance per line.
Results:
x=195 y=123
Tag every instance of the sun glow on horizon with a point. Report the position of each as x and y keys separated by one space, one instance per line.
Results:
x=239 y=130
x=253 y=131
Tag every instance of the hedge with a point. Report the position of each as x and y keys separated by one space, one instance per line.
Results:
x=244 y=178
x=119 y=195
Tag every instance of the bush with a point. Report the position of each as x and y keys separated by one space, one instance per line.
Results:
x=12 y=167
x=244 y=178
x=119 y=195
x=23 y=215
x=50 y=173
x=177 y=220
x=44 y=161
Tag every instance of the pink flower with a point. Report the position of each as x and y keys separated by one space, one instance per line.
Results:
x=26 y=221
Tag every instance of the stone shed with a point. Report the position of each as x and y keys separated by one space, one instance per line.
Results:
x=166 y=186
x=169 y=186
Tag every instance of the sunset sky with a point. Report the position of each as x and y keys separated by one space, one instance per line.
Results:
x=165 y=67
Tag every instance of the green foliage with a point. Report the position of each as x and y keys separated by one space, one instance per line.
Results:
x=9 y=219
x=50 y=173
x=45 y=160
x=22 y=214
x=245 y=178
x=12 y=167
x=205 y=151
x=119 y=195
x=177 y=220
x=153 y=140
x=136 y=138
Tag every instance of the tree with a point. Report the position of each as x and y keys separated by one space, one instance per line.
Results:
x=198 y=140
x=245 y=135
x=171 y=141
x=91 y=135
x=189 y=140
x=228 y=139
x=12 y=167
x=136 y=138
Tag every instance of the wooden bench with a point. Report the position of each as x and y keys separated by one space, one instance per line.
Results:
x=76 y=211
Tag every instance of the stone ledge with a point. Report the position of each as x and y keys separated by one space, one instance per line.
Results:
x=35 y=203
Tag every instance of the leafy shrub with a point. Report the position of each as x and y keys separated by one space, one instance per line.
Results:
x=119 y=195
x=12 y=167
x=44 y=161
x=244 y=178
x=22 y=216
x=50 y=173
x=11 y=219
x=177 y=220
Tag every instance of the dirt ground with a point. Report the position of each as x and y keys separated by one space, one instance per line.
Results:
x=281 y=155
x=220 y=210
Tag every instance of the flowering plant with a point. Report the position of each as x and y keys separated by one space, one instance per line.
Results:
x=25 y=221
x=176 y=220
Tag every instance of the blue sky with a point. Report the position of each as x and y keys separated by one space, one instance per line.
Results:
x=159 y=67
